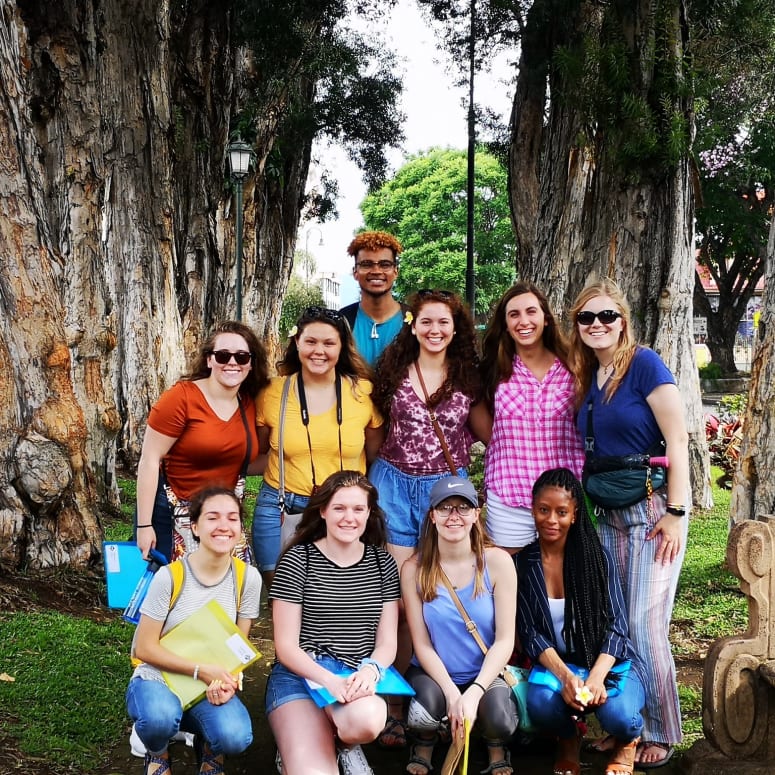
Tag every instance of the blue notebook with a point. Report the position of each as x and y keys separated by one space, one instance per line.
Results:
x=392 y=683
x=124 y=564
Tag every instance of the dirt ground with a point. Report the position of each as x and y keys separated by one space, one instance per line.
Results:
x=83 y=595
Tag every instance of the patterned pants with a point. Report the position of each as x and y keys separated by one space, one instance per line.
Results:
x=649 y=592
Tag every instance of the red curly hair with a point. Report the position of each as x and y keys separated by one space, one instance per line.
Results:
x=374 y=240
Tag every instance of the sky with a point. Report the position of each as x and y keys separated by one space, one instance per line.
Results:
x=435 y=116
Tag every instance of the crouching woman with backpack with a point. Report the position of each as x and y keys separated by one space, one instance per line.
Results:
x=220 y=721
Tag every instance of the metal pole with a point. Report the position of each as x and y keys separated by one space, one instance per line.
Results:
x=470 y=274
x=238 y=184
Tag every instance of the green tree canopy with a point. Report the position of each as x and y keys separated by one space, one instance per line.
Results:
x=424 y=205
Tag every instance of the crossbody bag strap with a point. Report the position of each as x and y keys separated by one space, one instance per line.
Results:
x=435 y=423
x=469 y=622
x=280 y=435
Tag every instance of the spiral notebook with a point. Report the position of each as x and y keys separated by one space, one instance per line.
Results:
x=208 y=635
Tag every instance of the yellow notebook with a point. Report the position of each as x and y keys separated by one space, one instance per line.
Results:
x=207 y=636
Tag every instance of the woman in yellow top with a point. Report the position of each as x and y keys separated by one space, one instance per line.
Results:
x=330 y=423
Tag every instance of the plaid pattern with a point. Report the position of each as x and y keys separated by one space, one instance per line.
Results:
x=533 y=430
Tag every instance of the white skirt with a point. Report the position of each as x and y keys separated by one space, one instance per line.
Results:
x=510 y=527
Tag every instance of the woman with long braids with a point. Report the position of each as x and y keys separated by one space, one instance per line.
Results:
x=529 y=392
x=571 y=612
x=627 y=402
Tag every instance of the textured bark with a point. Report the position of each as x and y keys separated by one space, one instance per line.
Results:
x=753 y=488
x=593 y=217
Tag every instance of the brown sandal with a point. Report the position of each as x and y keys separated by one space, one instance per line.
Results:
x=622 y=761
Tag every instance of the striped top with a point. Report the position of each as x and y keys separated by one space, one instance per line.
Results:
x=341 y=607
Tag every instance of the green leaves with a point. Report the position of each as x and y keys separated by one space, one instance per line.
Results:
x=424 y=205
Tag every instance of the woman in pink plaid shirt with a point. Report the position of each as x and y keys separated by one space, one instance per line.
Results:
x=530 y=393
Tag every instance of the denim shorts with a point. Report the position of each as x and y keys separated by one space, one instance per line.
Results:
x=284 y=686
x=266 y=524
x=405 y=499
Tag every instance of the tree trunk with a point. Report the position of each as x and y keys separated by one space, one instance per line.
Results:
x=596 y=216
x=753 y=487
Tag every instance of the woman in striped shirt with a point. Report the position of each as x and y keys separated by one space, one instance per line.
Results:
x=335 y=610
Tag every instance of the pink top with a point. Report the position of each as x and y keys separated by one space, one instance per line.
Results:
x=412 y=445
x=533 y=430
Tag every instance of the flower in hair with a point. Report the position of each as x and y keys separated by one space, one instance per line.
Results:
x=408 y=318
x=293 y=332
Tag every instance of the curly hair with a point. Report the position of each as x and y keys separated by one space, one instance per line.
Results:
x=374 y=240
x=258 y=376
x=584 y=573
x=581 y=358
x=461 y=357
x=200 y=497
x=499 y=348
x=312 y=526
x=429 y=563
x=350 y=363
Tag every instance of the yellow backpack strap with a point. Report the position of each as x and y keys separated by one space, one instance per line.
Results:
x=178 y=572
x=240 y=568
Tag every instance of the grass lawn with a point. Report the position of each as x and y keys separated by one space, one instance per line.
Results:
x=66 y=703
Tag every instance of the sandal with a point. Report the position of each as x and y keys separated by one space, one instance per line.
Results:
x=421 y=761
x=164 y=761
x=393 y=735
x=622 y=761
x=666 y=747
x=209 y=763
x=499 y=764
x=569 y=762
x=602 y=744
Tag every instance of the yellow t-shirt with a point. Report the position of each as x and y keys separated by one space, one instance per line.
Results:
x=358 y=413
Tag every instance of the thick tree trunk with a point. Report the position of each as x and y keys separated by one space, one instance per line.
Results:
x=753 y=487
x=594 y=217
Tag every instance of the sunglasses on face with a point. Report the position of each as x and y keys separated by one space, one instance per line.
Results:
x=367 y=266
x=241 y=357
x=446 y=509
x=606 y=317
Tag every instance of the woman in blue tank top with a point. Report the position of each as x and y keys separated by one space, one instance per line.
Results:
x=451 y=675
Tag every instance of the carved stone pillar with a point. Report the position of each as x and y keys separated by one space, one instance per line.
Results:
x=738 y=698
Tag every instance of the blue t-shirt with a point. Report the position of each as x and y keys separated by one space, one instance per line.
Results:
x=626 y=424
x=372 y=338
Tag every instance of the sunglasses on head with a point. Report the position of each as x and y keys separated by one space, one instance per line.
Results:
x=606 y=317
x=322 y=313
x=423 y=292
x=369 y=265
x=241 y=357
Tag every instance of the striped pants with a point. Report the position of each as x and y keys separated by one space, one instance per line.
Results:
x=649 y=592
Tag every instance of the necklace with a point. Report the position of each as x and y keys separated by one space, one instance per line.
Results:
x=606 y=366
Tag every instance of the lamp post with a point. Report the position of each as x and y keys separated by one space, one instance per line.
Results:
x=470 y=188
x=240 y=158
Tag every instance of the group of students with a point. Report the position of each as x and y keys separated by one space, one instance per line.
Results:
x=375 y=569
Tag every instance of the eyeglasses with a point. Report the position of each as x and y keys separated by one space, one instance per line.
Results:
x=446 y=509
x=606 y=317
x=367 y=266
x=423 y=292
x=322 y=313
x=241 y=357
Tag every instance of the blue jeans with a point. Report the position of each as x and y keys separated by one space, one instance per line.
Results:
x=158 y=716
x=620 y=716
x=161 y=519
x=266 y=524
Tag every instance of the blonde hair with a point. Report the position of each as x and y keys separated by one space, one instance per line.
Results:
x=429 y=562
x=581 y=357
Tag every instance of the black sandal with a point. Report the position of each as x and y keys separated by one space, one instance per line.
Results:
x=500 y=764
x=421 y=761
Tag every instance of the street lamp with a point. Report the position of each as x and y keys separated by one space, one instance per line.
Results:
x=240 y=158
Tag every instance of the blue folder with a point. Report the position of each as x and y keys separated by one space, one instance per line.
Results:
x=124 y=564
x=392 y=683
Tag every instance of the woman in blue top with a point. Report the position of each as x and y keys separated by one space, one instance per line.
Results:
x=450 y=674
x=635 y=402
x=571 y=612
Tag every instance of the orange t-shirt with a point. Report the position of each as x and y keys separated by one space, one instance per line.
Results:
x=208 y=450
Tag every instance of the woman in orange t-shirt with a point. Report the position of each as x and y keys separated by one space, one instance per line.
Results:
x=202 y=431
